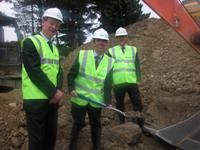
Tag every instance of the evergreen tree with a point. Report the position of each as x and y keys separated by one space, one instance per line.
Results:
x=29 y=15
x=119 y=13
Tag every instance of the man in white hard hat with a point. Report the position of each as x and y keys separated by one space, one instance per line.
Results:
x=126 y=74
x=42 y=82
x=89 y=82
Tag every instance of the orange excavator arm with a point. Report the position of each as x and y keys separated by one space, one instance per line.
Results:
x=175 y=14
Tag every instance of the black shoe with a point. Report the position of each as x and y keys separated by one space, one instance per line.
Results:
x=140 y=122
x=96 y=148
x=121 y=119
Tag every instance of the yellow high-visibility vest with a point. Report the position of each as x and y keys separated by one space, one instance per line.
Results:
x=90 y=81
x=124 y=66
x=49 y=65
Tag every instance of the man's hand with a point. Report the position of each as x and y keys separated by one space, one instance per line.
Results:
x=109 y=106
x=73 y=93
x=57 y=97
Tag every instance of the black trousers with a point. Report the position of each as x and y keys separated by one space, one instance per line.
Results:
x=78 y=114
x=134 y=94
x=41 y=120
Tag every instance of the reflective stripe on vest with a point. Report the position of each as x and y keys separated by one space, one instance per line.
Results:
x=90 y=81
x=124 y=67
x=49 y=65
x=40 y=51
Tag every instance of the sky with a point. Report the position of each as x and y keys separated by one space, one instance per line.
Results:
x=146 y=9
x=6 y=7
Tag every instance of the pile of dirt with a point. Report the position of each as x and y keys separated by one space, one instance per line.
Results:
x=170 y=91
x=12 y=122
x=170 y=67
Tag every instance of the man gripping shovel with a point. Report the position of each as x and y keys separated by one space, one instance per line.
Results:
x=91 y=76
x=102 y=105
x=132 y=115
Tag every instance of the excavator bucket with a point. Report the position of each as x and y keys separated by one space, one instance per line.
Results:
x=176 y=15
x=184 y=135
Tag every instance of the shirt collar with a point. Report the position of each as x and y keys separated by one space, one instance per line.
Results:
x=123 y=46
x=96 y=54
x=45 y=37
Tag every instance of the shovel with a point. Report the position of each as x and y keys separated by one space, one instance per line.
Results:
x=101 y=104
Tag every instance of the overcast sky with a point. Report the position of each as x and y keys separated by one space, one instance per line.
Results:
x=146 y=9
x=6 y=7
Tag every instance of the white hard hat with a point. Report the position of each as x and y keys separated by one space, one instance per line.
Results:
x=101 y=34
x=53 y=13
x=121 y=32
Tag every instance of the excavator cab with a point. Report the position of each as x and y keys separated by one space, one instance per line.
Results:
x=193 y=7
x=10 y=62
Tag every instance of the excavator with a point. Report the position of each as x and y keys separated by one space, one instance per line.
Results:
x=185 y=134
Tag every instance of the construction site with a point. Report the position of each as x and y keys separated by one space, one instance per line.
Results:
x=169 y=49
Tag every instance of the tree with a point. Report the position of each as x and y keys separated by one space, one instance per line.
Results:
x=28 y=16
x=119 y=13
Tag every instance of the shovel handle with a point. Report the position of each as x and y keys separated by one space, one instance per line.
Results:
x=102 y=104
x=119 y=111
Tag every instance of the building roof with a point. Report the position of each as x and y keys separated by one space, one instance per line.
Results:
x=6 y=20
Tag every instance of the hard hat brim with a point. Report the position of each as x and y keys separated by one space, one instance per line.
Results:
x=50 y=16
x=100 y=37
x=121 y=35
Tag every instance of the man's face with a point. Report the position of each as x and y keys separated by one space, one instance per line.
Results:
x=50 y=27
x=100 y=45
x=122 y=40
